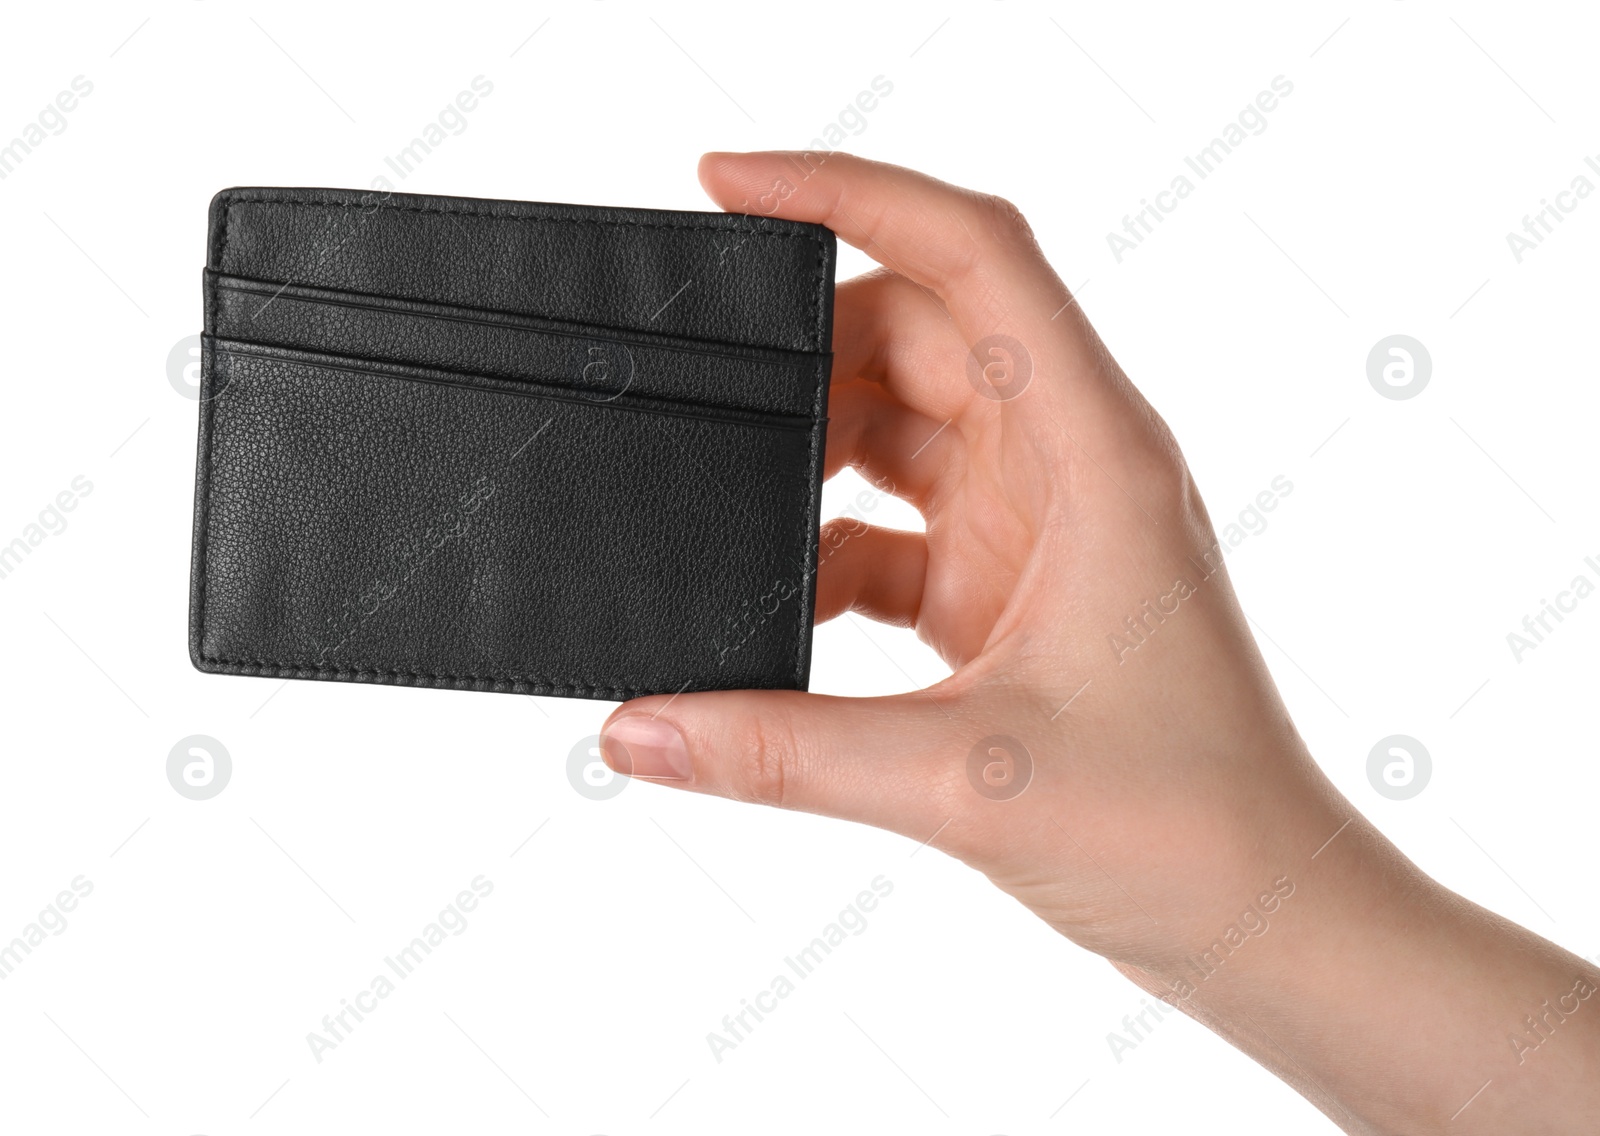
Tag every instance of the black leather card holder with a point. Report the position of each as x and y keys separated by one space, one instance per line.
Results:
x=496 y=445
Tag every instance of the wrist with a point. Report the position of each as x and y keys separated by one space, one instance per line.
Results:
x=1369 y=965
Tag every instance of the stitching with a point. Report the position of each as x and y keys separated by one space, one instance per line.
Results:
x=817 y=301
x=625 y=692
x=802 y=617
x=819 y=429
x=377 y=672
x=204 y=535
x=822 y=287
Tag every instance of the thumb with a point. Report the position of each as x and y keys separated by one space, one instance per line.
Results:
x=896 y=762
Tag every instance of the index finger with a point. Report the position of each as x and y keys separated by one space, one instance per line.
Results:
x=974 y=251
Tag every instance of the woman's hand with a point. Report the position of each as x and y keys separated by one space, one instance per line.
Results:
x=1109 y=748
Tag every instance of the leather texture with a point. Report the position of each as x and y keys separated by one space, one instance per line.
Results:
x=507 y=446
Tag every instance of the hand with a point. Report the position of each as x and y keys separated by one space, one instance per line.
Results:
x=1070 y=577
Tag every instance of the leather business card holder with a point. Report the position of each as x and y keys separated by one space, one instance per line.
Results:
x=506 y=446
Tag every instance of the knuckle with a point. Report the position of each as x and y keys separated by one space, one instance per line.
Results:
x=1170 y=485
x=1007 y=221
x=763 y=762
x=1148 y=463
x=995 y=231
x=1155 y=461
x=839 y=531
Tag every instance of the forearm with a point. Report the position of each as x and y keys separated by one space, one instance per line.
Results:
x=1395 y=1005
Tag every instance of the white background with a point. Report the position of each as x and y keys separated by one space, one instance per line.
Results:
x=1418 y=534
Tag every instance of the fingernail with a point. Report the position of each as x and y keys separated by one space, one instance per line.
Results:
x=642 y=746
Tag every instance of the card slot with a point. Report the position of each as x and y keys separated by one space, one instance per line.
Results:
x=761 y=280
x=623 y=403
x=423 y=531
x=597 y=362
